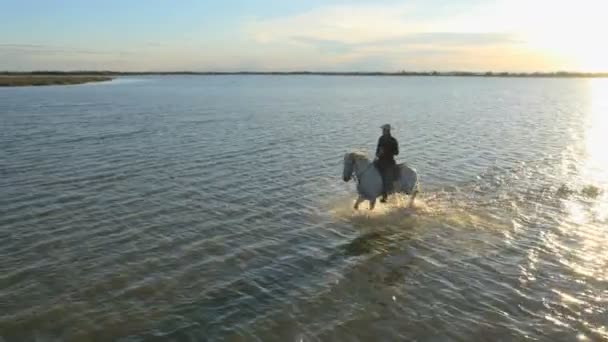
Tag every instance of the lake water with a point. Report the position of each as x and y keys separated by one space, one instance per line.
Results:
x=213 y=208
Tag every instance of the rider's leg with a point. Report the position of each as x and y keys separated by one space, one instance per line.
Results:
x=381 y=165
x=384 y=173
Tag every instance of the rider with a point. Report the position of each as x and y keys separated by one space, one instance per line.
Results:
x=386 y=151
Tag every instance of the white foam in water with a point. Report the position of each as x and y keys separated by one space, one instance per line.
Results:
x=394 y=213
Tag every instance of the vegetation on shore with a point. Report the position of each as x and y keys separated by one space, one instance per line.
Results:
x=43 y=78
x=31 y=79
x=559 y=74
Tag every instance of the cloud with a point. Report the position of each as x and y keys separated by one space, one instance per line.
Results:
x=25 y=57
x=22 y=46
x=414 y=40
x=349 y=24
x=361 y=24
x=513 y=35
x=36 y=49
x=454 y=38
x=324 y=45
x=386 y=36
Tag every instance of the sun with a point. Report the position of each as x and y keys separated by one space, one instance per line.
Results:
x=572 y=32
x=593 y=58
x=580 y=49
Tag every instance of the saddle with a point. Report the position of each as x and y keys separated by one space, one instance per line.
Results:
x=393 y=173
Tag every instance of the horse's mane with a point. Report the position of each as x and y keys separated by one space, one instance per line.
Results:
x=359 y=156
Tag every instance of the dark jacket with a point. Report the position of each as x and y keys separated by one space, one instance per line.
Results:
x=387 y=149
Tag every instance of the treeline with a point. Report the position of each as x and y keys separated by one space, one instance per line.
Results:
x=319 y=73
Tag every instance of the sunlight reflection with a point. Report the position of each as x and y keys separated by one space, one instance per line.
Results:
x=586 y=215
x=596 y=170
x=580 y=244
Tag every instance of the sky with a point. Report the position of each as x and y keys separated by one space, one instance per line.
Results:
x=312 y=35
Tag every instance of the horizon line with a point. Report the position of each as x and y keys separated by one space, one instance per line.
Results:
x=320 y=73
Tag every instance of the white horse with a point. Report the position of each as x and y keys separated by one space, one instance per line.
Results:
x=369 y=180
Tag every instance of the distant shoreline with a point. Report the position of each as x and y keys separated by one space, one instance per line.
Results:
x=94 y=76
x=33 y=79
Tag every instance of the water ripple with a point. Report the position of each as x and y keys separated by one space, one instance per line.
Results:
x=212 y=208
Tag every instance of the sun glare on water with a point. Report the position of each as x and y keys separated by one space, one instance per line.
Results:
x=597 y=133
x=595 y=170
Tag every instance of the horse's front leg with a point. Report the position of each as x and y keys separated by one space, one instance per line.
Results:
x=372 y=204
x=357 y=202
x=412 y=198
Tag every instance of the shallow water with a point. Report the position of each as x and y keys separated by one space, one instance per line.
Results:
x=212 y=208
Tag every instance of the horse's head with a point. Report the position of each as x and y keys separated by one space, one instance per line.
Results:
x=349 y=165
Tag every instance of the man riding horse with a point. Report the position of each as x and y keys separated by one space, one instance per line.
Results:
x=386 y=151
x=383 y=175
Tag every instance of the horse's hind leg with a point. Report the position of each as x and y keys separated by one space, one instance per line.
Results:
x=357 y=202
x=372 y=204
